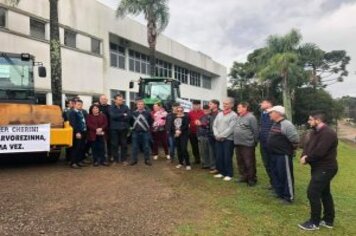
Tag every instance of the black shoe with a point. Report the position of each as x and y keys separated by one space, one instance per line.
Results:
x=309 y=226
x=240 y=180
x=96 y=164
x=105 y=163
x=251 y=183
x=326 y=224
x=148 y=163
x=197 y=162
x=285 y=201
x=75 y=166
x=206 y=168
x=133 y=163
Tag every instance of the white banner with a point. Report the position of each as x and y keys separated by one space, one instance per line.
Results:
x=25 y=138
x=187 y=105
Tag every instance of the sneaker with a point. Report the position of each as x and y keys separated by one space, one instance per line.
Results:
x=148 y=163
x=125 y=163
x=188 y=168
x=133 y=163
x=309 y=226
x=96 y=164
x=168 y=157
x=214 y=172
x=155 y=157
x=227 y=178
x=218 y=176
x=105 y=163
x=326 y=224
x=179 y=166
x=75 y=166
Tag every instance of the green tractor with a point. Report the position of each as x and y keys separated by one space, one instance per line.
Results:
x=160 y=90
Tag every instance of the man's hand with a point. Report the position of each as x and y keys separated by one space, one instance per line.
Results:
x=197 y=123
x=78 y=135
x=303 y=160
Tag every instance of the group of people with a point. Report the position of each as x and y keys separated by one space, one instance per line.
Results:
x=214 y=134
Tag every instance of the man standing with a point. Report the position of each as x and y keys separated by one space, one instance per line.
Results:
x=104 y=108
x=170 y=133
x=214 y=107
x=119 y=116
x=194 y=115
x=320 y=153
x=265 y=127
x=205 y=150
x=245 y=140
x=141 y=123
x=224 y=135
x=77 y=121
x=282 y=141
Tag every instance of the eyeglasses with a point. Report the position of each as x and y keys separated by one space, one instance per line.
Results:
x=179 y=110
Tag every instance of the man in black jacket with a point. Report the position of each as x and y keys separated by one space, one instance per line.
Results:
x=320 y=153
x=104 y=108
x=141 y=123
x=77 y=121
x=119 y=117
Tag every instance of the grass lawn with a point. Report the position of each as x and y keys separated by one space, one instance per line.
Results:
x=220 y=208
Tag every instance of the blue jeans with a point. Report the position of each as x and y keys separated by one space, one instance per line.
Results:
x=282 y=176
x=224 y=152
x=171 y=145
x=141 y=140
x=212 y=142
x=98 y=149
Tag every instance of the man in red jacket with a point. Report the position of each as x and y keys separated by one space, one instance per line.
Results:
x=194 y=116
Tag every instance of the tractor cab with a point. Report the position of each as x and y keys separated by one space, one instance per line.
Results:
x=158 y=90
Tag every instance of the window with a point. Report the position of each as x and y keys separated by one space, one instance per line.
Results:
x=117 y=56
x=37 y=29
x=41 y=98
x=206 y=82
x=139 y=62
x=163 y=69
x=195 y=79
x=181 y=74
x=133 y=97
x=95 y=46
x=70 y=38
x=2 y=17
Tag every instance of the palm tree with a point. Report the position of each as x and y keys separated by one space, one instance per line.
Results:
x=55 y=52
x=283 y=66
x=156 y=13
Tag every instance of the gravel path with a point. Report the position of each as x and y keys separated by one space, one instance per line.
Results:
x=52 y=199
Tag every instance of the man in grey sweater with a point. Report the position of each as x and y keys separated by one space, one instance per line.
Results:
x=245 y=140
x=223 y=129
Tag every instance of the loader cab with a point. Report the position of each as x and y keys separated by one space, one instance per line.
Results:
x=17 y=77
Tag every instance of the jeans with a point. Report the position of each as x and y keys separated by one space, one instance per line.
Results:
x=266 y=159
x=212 y=142
x=224 y=152
x=119 y=138
x=171 y=145
x=159 y=137
x=195 y=147
x=98 y=149
x=141 y=141
x=181 y=144
x=206 y=152
x=246 y=163
x=319 y=195
x=282 y=176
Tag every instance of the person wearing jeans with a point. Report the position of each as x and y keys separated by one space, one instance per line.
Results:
x=320 y=153
x=97 y=128
x=194 y=115
x=141 y=123
x=170 y=133
x=214 y=108
x=223 y=132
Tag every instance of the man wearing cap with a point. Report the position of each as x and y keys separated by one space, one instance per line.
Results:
x=282 y=141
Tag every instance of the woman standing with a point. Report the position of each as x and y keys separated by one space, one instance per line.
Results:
x=97 y=125
x=159 y=133
x=180 y=127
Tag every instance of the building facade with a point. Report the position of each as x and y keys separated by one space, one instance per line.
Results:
x=101 y=53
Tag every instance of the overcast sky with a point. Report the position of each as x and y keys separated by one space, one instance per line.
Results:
x=228 y=30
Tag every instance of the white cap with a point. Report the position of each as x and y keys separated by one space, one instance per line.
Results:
x=280 y=109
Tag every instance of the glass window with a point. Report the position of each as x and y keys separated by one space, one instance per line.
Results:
x=95 y=46
x=206 y=82
x=163 y=69
x=37 y=29
x=195 y=79
x=70 y=38
x=117 y=56
x=158 y=90
x=2 y=17
x=181 y=74
x=139 y=62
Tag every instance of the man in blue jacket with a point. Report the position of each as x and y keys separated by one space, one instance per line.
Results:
x=119 y=116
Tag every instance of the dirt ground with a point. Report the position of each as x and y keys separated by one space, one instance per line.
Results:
x=52 y=199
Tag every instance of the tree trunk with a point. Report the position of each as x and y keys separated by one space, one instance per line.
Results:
x=287 y=97
x=55 y=55
x=152 y=40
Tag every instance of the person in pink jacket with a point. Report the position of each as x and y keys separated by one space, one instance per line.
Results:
x=159 y=133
